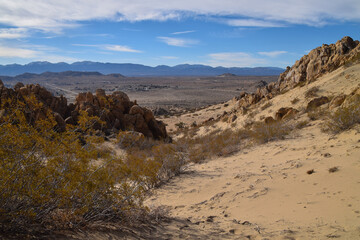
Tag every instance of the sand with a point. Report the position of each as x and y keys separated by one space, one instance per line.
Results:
x=265 y=192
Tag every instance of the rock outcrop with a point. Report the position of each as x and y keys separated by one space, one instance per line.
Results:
x=115 y=110
x=319 y=61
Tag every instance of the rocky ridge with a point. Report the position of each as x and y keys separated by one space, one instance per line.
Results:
x=319 y=61
x=116 y=110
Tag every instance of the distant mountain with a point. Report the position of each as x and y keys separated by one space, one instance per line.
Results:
x=129 y=69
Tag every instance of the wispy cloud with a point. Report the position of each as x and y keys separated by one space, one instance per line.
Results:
x=272 y=53
x=116 y=48
x=57 y=15
x=253 y=23
x=183 y=32
x=17 y=52
x=234 y=59
x=33 y=54
x=121 y=48
x=12 y=33
x=178 y=42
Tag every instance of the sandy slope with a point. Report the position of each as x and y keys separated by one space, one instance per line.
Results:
x=265 y=192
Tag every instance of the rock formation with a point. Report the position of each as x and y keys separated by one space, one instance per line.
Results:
x=319 y=61
x=115 y=110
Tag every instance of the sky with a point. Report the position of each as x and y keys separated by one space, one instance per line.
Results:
x=229 y=33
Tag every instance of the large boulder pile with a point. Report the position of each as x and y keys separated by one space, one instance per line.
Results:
x=118 y=113
x=319 y=61
x=115 y=110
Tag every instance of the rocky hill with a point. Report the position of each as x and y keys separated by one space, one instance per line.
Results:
x=318 y=62
x=116 y=110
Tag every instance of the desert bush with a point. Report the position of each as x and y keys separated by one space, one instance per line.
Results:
x=266 y=105
x=301 y=124
x=215 y=143
x=263 y=133
x=180 y=125
x=295 y=100
x=317 y=114
x=52 y=180
x=312 y=92
x=344 y=117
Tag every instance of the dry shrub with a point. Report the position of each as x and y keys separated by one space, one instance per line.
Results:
x=344 y=117
x=301 y=124
x=317 y=114
x=48 y=180
x=295 y=100
x=216 y=143
x=263 y=133
x=266 y=105
x=312 y=92
x=333 y=169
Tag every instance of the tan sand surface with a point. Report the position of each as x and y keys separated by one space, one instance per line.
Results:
x=265 y=192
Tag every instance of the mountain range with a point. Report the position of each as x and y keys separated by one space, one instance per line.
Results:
x=129 y=69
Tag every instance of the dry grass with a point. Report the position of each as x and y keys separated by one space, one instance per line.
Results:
x=295 y=100
x=333 y=169
x=312 y=92
x=344 y=117
x=266 y=105
x=263 y=133
x=215 y=143
x=317 y=114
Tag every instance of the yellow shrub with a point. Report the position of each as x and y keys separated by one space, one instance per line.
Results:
x=47 y=178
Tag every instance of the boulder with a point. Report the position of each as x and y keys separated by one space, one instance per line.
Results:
x=269 y=120
x=317 y=102
x=18 y=86
x=100 y=93
x=285 y=113
x=136 y=110
x=336 y=101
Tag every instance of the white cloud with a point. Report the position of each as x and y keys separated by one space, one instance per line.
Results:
x=272 y=53
x=11 y=33
x=183 y=32
x=10 y=52
x=253 y=23
x=178 y=42
x=234 y=59
x=120 y=48
x=116 y=48
x=33 y=54
x=56 y=15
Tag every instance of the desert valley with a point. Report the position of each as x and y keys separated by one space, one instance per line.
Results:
x=222 y=157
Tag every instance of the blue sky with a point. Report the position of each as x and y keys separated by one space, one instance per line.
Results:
x=230 y=33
